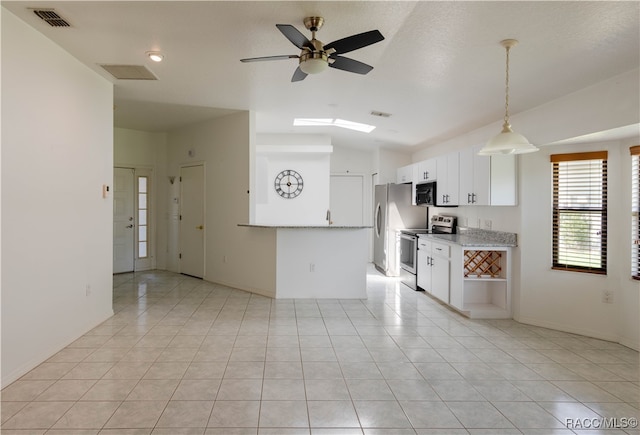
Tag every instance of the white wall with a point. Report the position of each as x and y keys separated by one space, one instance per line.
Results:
x=311 y=205
x=566 y=301
x=57 y=152
x=223 y=146
x=572 y=301
x=148 y=150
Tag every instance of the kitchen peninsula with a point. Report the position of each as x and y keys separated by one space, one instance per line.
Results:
x=322 y=262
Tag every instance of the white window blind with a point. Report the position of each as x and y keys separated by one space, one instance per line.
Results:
x=580 y=212
x=635 y=210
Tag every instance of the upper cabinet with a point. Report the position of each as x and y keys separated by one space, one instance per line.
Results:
x=405 y=174
x=487 y=180
x=475 y=177
x=447 y=189
x=425 y=170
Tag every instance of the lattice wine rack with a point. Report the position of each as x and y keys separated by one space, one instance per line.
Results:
x=482 y=264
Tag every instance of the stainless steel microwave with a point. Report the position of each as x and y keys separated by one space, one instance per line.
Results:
x=426 y=193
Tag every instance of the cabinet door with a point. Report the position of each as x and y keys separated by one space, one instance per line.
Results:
x=423 y=272
x=448 y=183
x=404 y=174
x=466 y=176
x=475 y=177
x=426 y=170
x=440 y=278
x=481 y=178
x=453 y=178
x=503 y=180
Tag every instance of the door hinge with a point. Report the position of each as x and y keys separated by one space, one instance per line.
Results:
x=180 y=217
x=180 y=179
x=180 y=256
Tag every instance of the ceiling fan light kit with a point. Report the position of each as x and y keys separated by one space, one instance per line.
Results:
x=316 y=57
x=507 y=141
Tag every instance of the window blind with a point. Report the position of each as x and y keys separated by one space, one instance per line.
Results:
x=635 y=210
x=580 y=212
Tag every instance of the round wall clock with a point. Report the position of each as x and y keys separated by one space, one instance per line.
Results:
x=288 y=184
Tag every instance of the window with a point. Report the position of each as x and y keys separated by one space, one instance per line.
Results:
x=635 y=209
x=143 y=207
x=580 y=212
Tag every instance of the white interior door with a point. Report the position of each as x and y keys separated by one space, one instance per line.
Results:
x=347 y=200
x=123 y=220
x=192 y=220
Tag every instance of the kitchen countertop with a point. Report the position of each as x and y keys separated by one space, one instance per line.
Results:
x=477 y=237
x=350 y=227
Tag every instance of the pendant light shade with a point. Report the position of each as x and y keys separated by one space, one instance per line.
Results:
x=507 y=141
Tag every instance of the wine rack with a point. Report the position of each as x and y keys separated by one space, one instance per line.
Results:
x=483 y=264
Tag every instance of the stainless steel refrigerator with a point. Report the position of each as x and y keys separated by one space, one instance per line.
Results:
x=393 y=211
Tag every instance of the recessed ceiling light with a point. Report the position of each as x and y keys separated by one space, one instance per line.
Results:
x=155 y=56
x=327 y=122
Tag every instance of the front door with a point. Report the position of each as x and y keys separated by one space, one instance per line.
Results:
x=192 y=221
x=123 y=220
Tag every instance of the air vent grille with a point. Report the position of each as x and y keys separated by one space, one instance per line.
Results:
x=380 y=114
x=129 y=72
x=51 y=17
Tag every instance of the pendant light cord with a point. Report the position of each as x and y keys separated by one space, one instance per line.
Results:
x=506 y=90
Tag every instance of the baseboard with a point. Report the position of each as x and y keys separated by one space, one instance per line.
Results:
x=579 y=331
x=261 y=292
x=25 y=368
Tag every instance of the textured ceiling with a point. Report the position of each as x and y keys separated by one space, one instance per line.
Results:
x=439 y=71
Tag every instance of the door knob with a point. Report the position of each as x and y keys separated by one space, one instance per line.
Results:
x=200 y=227
x=130 y=226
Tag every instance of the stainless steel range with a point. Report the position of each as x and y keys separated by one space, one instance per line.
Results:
x=408 y=246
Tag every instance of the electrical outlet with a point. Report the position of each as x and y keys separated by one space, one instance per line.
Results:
x=487 y=224
x=312 y=267
x=224 y=258
x=607 y=296
x=88 y=290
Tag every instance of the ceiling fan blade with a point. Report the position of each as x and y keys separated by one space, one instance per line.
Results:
x=347 y=64
x=294 y=35
x=355 y=42
x=298 y=75
x=260 y=59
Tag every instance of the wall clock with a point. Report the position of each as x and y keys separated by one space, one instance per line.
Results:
x=288 y=184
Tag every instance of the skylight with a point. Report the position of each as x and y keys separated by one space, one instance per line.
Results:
x=326 y=122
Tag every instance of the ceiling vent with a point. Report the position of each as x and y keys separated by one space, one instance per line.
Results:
x=50 y=17
x=129 y=72
x=380 y=114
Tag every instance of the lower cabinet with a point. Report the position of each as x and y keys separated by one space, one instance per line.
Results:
x=481 y=283
x=433 y=268
x=474 y=280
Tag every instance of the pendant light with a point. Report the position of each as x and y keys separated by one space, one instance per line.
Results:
x=507 y=142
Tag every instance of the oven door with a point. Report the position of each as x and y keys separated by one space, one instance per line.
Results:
x=408 y=252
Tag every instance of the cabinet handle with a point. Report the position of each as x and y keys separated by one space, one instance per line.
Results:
x=473 y=198
x=468 y=198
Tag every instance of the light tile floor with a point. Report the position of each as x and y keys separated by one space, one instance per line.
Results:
x=185 y=357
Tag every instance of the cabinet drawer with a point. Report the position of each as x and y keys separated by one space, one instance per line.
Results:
x=440 y=249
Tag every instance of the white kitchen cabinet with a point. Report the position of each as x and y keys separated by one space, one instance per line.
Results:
x=424 y=171
x=487 y=180
x=433 y=268
x=404 y=174
x=447 y=189
x=481 y=281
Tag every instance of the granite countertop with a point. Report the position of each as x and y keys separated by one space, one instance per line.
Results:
x=329 y=227
x=477 y=237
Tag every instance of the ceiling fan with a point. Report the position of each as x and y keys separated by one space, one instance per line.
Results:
x=316 y=57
